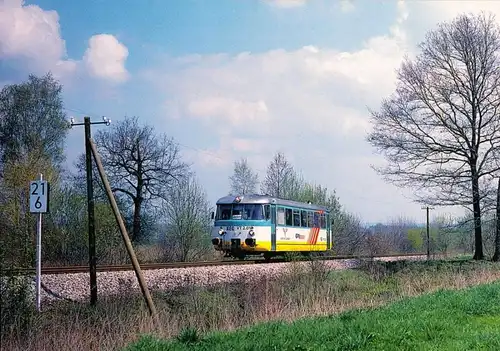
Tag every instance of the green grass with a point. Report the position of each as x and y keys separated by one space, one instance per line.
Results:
x=191 y=313
x=466 y=319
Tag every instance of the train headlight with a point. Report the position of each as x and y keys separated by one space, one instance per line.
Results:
x=221 y=231
x=251 y=232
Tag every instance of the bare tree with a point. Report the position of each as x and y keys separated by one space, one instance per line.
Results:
x=439 y=129
x=348 y=234
x=142 y=167
x=188 y=221
x=284 y=182
x=465 y=231
x=280 y=177
x=445 y=233
x=396 y=234
x=244 y=180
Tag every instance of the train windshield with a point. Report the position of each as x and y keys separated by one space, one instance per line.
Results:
x=240 y=211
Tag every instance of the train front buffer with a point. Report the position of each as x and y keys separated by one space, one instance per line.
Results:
x=234 y=238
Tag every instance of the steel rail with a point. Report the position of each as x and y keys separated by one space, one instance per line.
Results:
x=172 y=265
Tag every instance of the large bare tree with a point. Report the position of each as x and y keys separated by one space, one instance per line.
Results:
x=439 y=130
x=244 y=180
x=141 y=165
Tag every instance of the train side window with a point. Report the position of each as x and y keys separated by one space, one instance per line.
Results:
x=322 y=221
x=304 y=218
x=316 y=219
x=296 y=218
x=267 y=212
x=310 y=219
x=281 y=216
x=288 y=216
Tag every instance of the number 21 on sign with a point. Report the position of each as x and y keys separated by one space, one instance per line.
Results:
x=39 y=196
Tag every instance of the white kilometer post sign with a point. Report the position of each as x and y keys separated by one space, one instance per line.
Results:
x=39 y=203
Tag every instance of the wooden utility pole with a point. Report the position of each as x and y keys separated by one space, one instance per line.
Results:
x=427 y=208
x=90 y=214
x=125 y=237
x=90 y=206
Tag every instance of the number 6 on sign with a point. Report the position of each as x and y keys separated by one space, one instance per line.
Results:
x=39 y=196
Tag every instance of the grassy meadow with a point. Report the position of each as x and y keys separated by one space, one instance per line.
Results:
x=193 y=313
x=445 y=320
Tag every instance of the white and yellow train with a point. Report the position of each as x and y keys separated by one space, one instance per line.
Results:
x=265 y=225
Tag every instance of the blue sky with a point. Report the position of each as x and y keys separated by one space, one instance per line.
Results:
x=234 y=78
x=204 y=27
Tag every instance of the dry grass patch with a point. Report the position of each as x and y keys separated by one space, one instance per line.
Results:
x=303 y=290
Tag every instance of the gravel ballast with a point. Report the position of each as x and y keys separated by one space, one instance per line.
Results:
x=76 y=286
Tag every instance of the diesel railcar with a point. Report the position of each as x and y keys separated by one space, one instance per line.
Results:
x=265 y=225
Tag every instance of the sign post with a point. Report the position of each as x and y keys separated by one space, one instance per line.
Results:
x=39 y=196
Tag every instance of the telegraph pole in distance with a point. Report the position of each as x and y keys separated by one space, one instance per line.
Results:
x=427 y=208
x=90 y=205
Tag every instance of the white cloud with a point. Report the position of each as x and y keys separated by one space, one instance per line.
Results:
x=440 y=10
x=231 y=110
x=425 y=15
x=31 y=38
x=287 y=3
x=273 y=93
x=315 y=111
x=105 y=58
x=310 y=103
x=33 y=35
x=208 y=158
x=223 y=154
x=347 y=6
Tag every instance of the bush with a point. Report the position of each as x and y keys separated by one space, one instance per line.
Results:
x=17 y=296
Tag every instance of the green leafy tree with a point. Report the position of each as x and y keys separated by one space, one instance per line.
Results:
x=32 y=121
x=33 y=128
x=415 y=236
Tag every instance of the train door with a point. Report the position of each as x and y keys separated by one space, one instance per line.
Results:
x=273 y=227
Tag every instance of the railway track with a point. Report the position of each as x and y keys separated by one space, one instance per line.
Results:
x=170 y=265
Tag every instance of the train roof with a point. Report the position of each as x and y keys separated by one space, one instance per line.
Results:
x=267 y=199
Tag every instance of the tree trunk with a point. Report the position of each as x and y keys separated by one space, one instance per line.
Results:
x=136 y=229
x=496 y=255
x=478 y=239
x=138 y=196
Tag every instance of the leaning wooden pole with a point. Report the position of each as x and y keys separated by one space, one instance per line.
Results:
x=123 y=230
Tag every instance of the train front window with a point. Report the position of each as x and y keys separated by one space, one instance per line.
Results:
x=223 y=212
x=240 y=211
x=254 y=212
